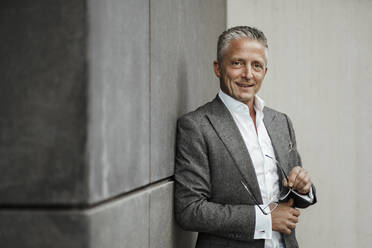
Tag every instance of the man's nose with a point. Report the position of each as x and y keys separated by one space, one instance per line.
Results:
x=247 y=72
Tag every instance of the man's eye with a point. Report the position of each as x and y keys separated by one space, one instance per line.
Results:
x=236 y=62
x=258 y=65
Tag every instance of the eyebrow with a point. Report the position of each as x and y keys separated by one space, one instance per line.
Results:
x=255 y=60
x=237 y=58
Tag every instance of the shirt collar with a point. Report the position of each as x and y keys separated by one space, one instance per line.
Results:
x=236 y=106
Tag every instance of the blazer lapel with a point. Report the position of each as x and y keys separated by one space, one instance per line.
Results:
x=275 y=130
x=229 y=133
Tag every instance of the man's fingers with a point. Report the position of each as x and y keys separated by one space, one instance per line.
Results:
x=291 y=225
x=292 y=175
x=294 y=219
x=304 y=185
x=301 y=180
x=285 y=218
x=287 y=231
x=295 y=212
x=300 y=185
x=305 y=189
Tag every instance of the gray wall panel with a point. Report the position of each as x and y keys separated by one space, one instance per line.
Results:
x=42 y=102
x=320 y=74
x=53 y=88
x=118 y=96
x=77 y=104
x=123 y=223
x=43 y=229
x=164 y=231
x=183 y=46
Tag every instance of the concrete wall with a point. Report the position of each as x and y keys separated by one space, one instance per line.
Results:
x=89 y=97
x=320 y=74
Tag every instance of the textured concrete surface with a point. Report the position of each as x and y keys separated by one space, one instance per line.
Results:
x=53 y=91
x=122 y=223
x=83 y=112
x=42 y=102
x=43 y=229
x=164 y=231
x=76 y=100
x=119 y=138
x=143 y=219
x=183 y=46
x=320 y=74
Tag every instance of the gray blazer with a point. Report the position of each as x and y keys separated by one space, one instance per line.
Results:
x=211 y=160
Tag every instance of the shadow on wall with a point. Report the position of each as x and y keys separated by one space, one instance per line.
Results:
x=182 y=87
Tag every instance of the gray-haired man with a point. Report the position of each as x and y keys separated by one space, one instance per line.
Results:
x=238 y=175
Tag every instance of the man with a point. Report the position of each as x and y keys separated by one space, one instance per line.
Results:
x=236 y=159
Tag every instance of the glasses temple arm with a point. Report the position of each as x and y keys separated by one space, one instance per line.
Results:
x=253 y=197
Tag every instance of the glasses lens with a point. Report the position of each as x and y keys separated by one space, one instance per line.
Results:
x=270 y=208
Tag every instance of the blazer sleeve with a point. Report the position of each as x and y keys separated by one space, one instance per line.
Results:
x=193 y=209
x=292 y=137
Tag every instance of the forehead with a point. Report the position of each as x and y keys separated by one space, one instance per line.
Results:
x=245 y=47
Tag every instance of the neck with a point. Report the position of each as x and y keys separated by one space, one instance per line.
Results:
x=252 y=112
x=250 y=105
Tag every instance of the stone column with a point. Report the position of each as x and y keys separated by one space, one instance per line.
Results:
x=89 y=97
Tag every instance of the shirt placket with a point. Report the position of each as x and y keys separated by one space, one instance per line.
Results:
x=250 y=129
x=266 y=174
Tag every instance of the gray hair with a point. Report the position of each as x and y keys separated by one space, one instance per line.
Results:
x=235 y=33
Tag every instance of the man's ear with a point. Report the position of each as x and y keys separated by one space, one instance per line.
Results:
x=217 y=69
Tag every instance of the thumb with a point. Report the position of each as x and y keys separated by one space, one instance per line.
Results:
x=284 y=182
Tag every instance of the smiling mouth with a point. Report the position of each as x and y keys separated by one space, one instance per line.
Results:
x=245 y=85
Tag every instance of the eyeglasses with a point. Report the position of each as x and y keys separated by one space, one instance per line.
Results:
x=266 y=209
x=273 y=203
x=286 y=191
x=300 y=200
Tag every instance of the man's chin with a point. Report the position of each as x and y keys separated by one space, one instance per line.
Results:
x=246 y=98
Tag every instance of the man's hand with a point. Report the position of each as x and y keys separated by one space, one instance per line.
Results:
x=284 y=217
x=299 y=180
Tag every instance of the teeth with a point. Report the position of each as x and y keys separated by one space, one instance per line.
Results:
x=244 y=85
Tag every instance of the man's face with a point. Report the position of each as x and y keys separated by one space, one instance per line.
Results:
x=243 y=69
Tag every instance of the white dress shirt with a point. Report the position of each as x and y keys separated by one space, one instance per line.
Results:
x=258 y=145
